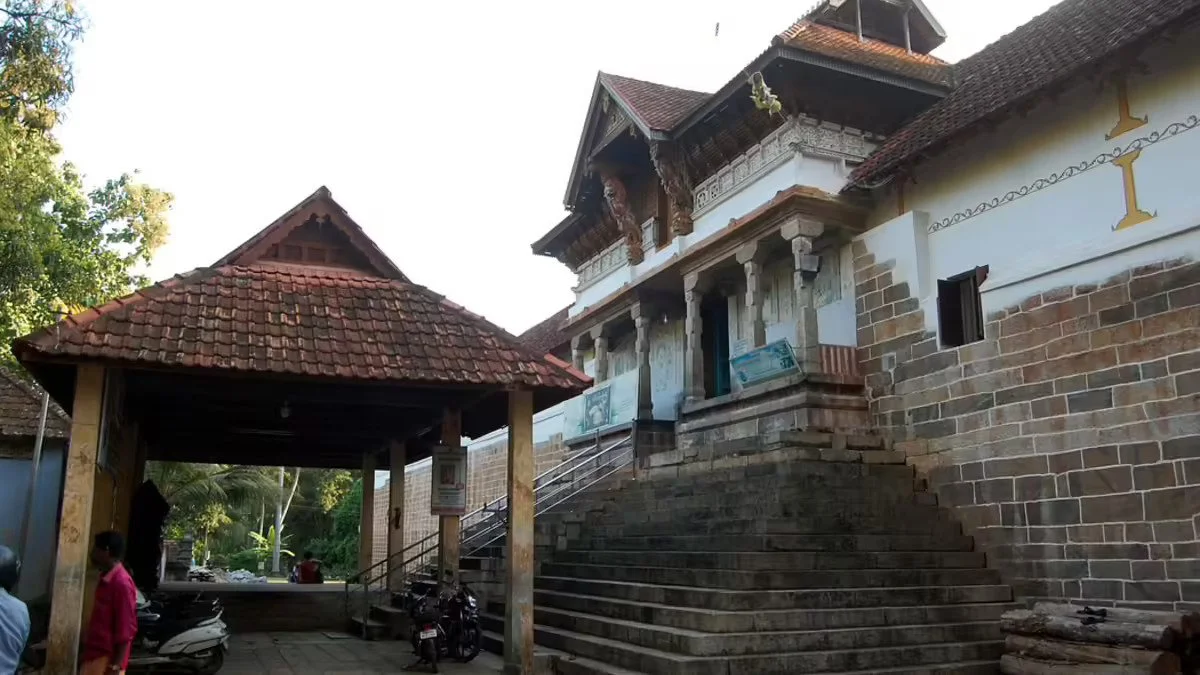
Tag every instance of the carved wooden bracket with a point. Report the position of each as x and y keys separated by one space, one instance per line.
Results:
x=617 y=200
x=677 y=183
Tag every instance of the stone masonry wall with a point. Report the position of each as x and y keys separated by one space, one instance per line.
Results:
x=1068 y=440
x=487 y=473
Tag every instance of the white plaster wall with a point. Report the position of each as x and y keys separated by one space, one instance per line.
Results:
x=666 y=368
x=1062 y=234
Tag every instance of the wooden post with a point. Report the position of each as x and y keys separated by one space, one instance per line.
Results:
x=642 y=314
x=395 y=528
x=693 y=365
x=450 y=527
x=74 y=537
x=518 y=601
x=366 y=528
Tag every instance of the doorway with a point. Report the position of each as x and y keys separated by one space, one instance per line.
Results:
x=714 y=315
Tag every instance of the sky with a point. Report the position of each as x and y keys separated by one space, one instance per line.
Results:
x=445 y=129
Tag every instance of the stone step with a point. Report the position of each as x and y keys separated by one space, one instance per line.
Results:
x=719 y=621
x=698 y=643
x=765 y=561
x=824 y=474
x=768 y=509
x=659 y=662
x=732 y=496
x=744 y=580
x=679 y=595
x=808 y=525
x=570 y=664
x=781 y=542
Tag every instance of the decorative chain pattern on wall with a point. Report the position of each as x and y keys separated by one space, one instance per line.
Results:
x=1172 y=130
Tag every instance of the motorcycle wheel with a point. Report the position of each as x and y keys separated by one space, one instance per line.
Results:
x=429 y=652
x=470 y=644
x=213 y=664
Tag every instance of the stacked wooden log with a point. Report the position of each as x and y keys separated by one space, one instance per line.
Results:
x=1061 y=639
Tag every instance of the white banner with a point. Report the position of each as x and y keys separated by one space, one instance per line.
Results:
x=448 y=494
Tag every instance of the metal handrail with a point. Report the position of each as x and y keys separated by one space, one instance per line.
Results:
x=495 y=515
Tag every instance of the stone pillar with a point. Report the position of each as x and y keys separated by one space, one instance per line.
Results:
x=577 y=352
x=74 y=537
x=693 y=365
x=600 y=341
x=366 y=527
x=643 y=314
x=750 y=258
x=450 y=527
x=805 y=266
x=395 y=527
x=518 y=600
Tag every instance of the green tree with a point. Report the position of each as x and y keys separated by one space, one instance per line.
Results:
x=192 y=489
x=62 y=247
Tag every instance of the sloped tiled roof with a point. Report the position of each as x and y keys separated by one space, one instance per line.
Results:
x=292 y=319
x=255 y=314
x=839 y=44
x=1048 y=50
x=658 y=106
x=21 y=410
x=546 y=335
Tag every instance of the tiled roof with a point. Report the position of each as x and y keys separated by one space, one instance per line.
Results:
x=546 y=335
x=303 y=320
x=844 y=46
x=1048 y=50
x=658 y=106
x=21 y=410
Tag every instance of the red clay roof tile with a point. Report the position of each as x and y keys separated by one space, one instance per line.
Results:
x=839 y=44
x=21 y=410
x=547 y=334
x=658 y=106
x=1046 y=51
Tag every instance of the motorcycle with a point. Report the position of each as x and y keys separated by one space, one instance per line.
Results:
x=179 y=634
x=443 y=626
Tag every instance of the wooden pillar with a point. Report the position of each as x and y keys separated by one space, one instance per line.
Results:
x=395 y=528
x=693 y=366
x=518 y=597
x=450 y=527
x=74 y=538
x=643 y=314
x=600 y=341
x=749 y=256
x=805 y=266
x=366 y=528
x=577 y=352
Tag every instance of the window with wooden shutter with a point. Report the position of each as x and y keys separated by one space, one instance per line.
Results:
x=960 y=309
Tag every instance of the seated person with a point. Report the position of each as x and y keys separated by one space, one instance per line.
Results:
x=309 y=571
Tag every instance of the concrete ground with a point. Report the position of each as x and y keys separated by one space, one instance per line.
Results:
x=334 y=654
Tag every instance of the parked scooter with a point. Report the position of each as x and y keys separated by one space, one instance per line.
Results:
x=181 y=634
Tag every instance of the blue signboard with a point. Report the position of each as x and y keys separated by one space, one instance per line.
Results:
x=765 y=363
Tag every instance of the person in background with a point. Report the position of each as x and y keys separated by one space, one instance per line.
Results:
x=309 y=571
x=14 y=615
x=113 y=625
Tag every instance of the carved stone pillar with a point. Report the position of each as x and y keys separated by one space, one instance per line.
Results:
x=805 y=265
x=600 y=344
x=676 y=182
x=750 y=258
x=642 y=315
x=577 y=352
x=693 y=367
x=616 y=197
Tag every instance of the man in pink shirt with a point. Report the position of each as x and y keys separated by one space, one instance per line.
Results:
x=113 y=625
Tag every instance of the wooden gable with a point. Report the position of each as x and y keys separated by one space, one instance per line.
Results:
x=317 y=232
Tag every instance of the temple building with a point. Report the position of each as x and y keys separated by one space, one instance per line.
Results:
x=992 y=263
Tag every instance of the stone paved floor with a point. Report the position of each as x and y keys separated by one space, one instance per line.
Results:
x=322 y=654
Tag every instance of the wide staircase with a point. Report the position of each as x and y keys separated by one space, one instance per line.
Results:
x=801 y=553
